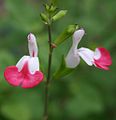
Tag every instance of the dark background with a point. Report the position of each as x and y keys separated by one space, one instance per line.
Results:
x=86 y=94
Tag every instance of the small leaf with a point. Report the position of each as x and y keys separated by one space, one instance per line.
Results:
x=62 y=71
x=66 y=34
x=59 y=15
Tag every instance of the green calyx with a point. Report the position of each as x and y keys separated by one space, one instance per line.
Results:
x=68 y=32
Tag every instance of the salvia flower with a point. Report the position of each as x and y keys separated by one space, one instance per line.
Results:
x=26 y=73
x=99 y=58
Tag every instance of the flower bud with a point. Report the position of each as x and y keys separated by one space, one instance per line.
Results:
x=46 y=7
x=53 y=8
x=59 y=15
x=44 y=17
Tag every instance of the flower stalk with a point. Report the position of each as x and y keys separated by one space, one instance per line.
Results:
x=49 y=73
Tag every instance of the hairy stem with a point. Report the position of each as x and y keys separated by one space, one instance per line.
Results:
x=49 y=74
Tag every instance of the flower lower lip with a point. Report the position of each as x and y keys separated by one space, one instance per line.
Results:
x=22 y=78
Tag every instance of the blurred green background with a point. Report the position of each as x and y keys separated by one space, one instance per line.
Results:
x=86 y=94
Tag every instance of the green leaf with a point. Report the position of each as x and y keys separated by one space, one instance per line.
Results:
x=66 y=34
x=62 y=71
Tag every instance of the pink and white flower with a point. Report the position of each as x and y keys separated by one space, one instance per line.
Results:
x=26 y=73
x=99 y=58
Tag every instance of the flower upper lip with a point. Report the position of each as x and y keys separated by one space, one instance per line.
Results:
x=29 y=36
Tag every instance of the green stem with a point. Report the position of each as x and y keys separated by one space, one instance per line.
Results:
x=49 y=74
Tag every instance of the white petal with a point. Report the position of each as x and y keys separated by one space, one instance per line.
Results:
x=72 y=59
x=97 y=54
x=87 y=55
x=21 y=62
x=77 y=36
x=33 y=64
x=32 y=45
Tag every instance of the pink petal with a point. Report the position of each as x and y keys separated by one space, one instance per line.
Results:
x=22 y=78
x=104 y=60
x=11 y=74
x=101 y=66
